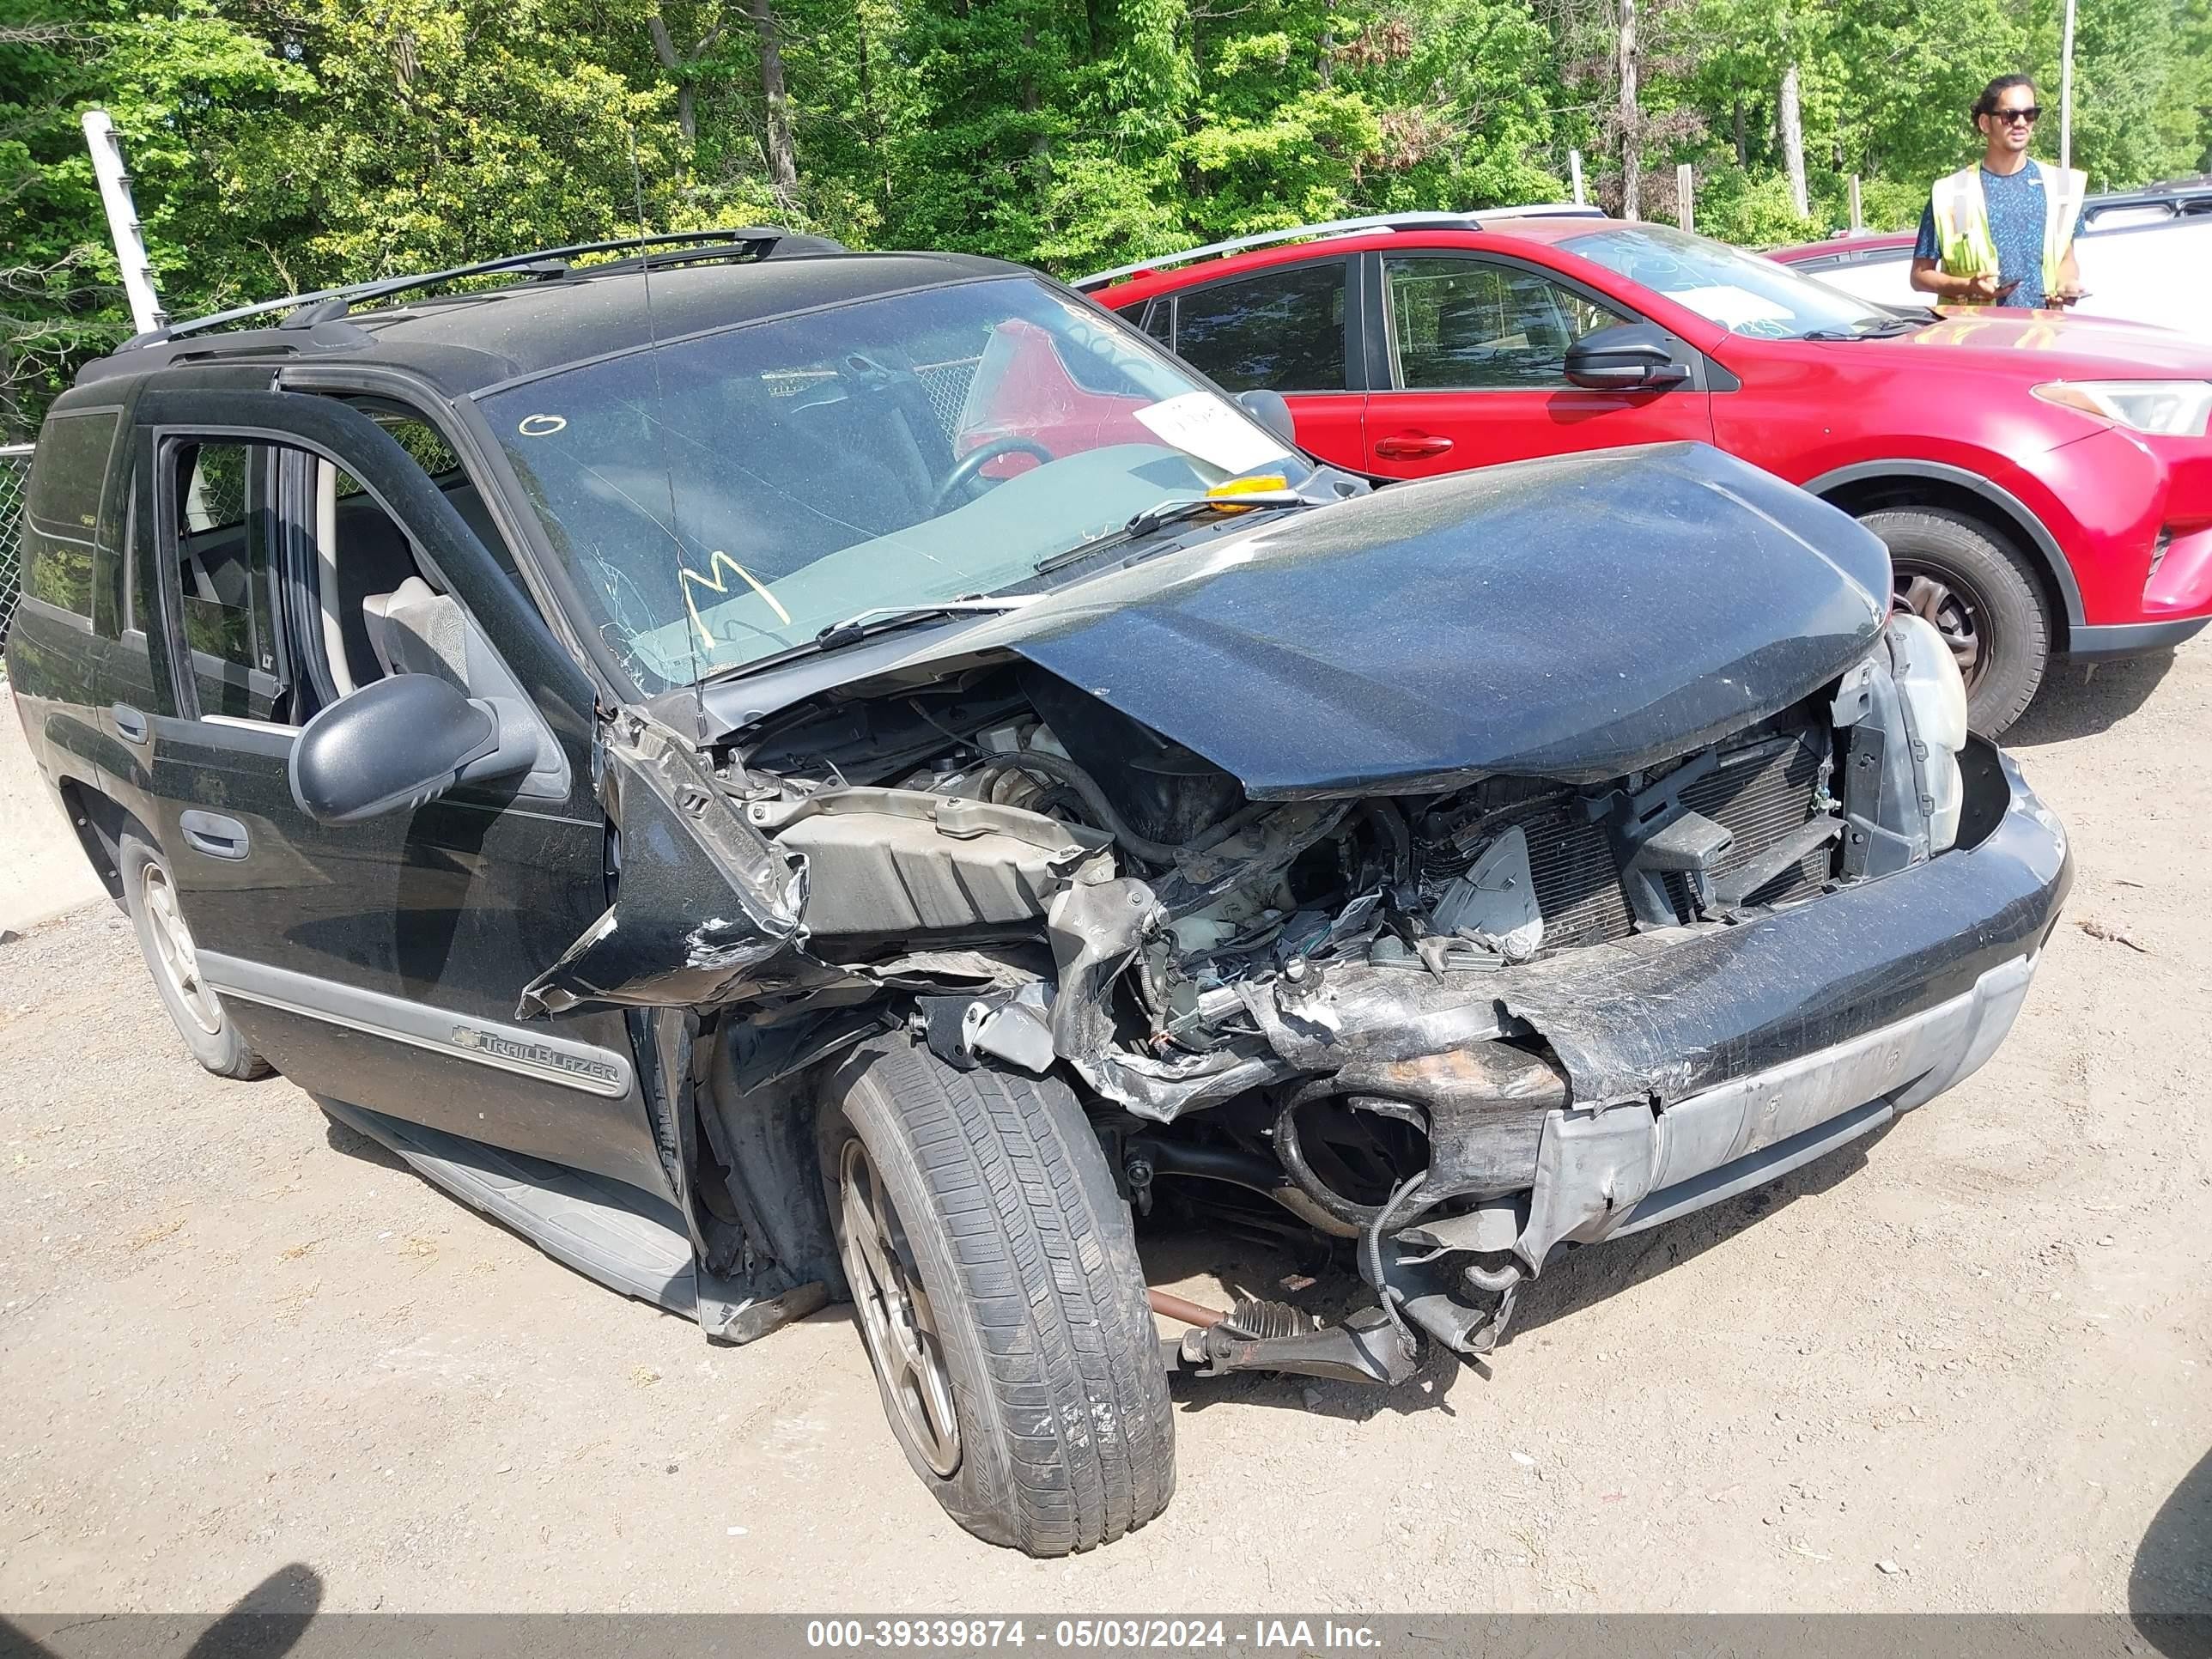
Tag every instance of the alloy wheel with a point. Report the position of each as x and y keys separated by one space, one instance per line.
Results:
x=897 y=1320
x=1953 y=607
x=173 y=946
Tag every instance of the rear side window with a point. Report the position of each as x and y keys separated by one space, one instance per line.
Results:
x=61 y=517
x=1282 y=330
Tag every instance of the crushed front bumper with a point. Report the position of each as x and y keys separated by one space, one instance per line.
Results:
x=1693 y=1065
x=1702 y=1068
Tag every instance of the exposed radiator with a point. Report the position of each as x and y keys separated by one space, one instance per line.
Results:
x=1761 y=793
x=1761 y=796
x=1570 y=859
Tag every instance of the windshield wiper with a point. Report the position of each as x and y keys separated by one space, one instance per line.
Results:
x=1175 y=510
x=877 y=617
x=866 y=624
x=1887 y=328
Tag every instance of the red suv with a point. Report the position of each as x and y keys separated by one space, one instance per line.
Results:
x=2044 y=483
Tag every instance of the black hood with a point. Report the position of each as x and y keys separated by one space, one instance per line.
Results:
x=1573 y=618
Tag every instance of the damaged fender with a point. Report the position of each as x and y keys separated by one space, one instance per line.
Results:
x=702 y=898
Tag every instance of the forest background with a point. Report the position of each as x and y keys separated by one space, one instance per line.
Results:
x=278 y=146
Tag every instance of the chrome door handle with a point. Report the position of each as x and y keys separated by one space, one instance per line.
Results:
x=129 y=724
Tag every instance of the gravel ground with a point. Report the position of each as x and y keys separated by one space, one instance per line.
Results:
x=1962 y=1368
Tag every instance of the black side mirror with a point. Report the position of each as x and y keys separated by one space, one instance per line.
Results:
x=1269 y=408
x=1627 y=357
x=396 y=743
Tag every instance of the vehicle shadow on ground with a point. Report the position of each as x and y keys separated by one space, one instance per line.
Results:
x=1239 y=1266
x=1583 y=1276
x=2170 y=1586
x=265 y=1623
x=342 y=1138
x=1574 y=1281
x=2080 y=700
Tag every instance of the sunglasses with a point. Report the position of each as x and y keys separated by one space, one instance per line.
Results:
x=2023 y=118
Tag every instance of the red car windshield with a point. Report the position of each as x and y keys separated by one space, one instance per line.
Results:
x=1742 y=292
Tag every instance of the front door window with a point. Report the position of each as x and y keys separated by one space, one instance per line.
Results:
x=218 y=548
x=1471 y=325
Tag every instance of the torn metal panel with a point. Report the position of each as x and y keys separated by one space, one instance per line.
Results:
x=1096 y=927
x=1378 y=1013
x=894 y=863
x=951 y=970
x=702 y=899
x=1592 y=1168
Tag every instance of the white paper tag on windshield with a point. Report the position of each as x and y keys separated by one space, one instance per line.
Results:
x=1731 y=307
x=1199 y=423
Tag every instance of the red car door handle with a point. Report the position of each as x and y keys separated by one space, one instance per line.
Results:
x=1411 y=446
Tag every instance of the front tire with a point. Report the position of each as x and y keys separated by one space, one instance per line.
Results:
x=1982 y=597
x=149 y=893
x=995 y=1281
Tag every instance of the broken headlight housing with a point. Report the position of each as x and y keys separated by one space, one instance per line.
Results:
x=1935 y=704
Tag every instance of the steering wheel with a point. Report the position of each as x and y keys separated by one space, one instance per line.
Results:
x=966 y=468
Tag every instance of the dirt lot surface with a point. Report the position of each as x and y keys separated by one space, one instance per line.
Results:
x=1965 y=1367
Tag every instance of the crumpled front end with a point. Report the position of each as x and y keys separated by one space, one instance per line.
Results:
x=1687 y=1068
x=1652 y=999
x=1498 y=995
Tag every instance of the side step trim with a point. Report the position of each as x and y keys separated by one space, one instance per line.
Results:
x=626 y=1239
x=558 y=1060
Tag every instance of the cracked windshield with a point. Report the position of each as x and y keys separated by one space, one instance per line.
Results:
x=721 y=500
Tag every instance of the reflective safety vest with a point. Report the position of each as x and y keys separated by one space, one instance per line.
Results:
x=1964 y=247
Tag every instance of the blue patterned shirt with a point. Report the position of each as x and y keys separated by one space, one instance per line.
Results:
x=2016 y=208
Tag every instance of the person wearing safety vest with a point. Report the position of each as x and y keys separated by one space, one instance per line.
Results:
x=2002 y=232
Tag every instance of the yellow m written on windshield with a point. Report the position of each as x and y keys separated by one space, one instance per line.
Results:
x=720 y=564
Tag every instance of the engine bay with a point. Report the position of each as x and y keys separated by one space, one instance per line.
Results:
x=1498 y=871
x=1294 y=1014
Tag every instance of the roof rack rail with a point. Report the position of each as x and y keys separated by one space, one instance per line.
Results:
x=1295 y=232
x=757 y=239
x=1343 y=227
x=2181 y=198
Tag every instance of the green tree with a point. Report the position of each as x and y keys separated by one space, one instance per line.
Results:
x=278 y=148
x=441 y=131
x=197 y=98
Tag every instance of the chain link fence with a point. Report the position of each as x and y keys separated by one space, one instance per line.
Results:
x=946 y=386
x=14 y=472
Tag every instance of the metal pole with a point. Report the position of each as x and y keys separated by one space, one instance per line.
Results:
x=1575 y=168
x=146 y=311
x=2066 y=92
x=1858 y=213
x=1682 y=187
